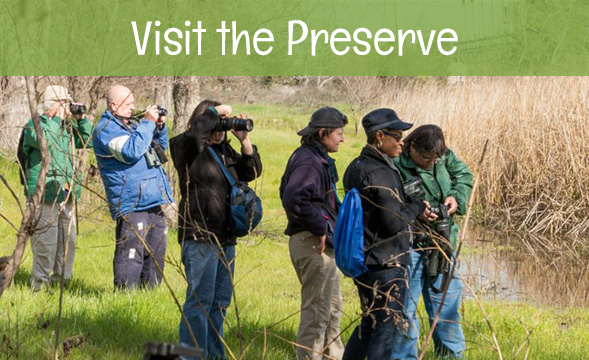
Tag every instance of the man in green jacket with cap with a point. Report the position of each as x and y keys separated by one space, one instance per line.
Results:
x=54 y=238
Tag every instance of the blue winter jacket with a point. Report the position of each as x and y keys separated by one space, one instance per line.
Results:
x=120 y=152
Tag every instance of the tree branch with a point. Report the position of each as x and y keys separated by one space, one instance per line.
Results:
x=27 y=226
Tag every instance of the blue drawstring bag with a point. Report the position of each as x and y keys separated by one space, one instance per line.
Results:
x=246 y=206
x=348 y=239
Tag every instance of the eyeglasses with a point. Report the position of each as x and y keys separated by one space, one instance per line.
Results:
x=395 y=136
x=429 y=159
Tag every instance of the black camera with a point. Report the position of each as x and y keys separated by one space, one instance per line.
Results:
x=163 y=351
x=443 y=220
x=162 y=111
x=414 y=188
x=77 y=109
x=234 y=123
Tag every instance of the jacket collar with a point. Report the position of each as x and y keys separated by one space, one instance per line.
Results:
x=111 y=117
x=371 y=152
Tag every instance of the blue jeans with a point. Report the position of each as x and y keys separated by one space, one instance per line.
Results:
x=448 y=336
x=209 y=270
x=382 y=315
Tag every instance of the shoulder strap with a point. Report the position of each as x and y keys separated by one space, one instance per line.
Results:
x=225 y=171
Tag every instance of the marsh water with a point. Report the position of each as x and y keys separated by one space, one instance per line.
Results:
x=497 y=271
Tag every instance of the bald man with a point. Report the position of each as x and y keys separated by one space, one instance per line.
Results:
x=136 y=187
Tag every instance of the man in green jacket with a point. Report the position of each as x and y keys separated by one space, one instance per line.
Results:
x=446 y=180
x=54 y=238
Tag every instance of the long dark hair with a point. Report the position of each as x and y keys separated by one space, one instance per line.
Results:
x=425 y=139
x=200 y=109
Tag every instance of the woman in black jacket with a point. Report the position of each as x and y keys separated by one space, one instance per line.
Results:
x=387 y=213
x=205 y=226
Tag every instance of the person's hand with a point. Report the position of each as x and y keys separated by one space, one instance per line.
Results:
x=152 y=113
x=160 y=122
x=428 y=215
x=223 y=110
x=241 y=135
x=452 y=204
x=244 y=138
x=321 y=247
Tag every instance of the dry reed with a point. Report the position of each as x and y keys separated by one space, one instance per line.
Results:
x=535 y=175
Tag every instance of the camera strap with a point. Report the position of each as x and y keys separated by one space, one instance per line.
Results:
x=223 y=167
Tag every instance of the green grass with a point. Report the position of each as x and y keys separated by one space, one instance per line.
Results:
x=115 y=325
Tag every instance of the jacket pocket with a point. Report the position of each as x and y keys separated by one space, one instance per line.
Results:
x=149 y=192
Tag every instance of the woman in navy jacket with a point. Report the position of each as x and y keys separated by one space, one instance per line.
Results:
x=308 y=196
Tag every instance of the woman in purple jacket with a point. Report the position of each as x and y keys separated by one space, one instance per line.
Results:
x=308 y=196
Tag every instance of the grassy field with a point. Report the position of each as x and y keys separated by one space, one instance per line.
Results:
x=101 y=324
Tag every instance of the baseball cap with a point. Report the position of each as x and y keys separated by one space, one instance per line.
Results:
x=383 y=119
x=326 y=117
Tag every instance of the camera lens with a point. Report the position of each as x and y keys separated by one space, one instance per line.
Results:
x=233 y=123
x=243 y=124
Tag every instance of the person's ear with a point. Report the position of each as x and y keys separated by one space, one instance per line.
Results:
x=379 y=135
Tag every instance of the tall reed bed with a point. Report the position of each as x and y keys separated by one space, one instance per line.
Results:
x=535 y=176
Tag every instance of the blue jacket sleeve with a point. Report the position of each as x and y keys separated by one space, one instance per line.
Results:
x=139 y=141
x=124 y=146
x=161 y=136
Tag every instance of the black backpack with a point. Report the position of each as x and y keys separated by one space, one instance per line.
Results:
x=21 y=156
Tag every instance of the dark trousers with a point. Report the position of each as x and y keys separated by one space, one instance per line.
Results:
x=132 y=265
x=382 y=293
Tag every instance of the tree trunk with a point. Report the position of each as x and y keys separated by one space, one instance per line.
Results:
x=163 y=92
x=9 y=265
x=186 y=96
x=14 y=111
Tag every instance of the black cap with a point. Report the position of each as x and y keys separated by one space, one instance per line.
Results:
x=326 y=117
x=383 y=119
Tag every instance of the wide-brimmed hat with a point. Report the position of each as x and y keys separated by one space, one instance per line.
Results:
x=326 y=117
x=56 y=93
x=383 y=119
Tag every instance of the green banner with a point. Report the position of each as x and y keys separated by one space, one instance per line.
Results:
x=394 y=37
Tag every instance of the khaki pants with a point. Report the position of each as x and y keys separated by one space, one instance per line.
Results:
x=54 y=240
x=321 y=300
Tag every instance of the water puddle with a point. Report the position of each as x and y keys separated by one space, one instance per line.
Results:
x=514 y=274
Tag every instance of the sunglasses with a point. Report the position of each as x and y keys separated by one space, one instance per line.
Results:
x=395 y=136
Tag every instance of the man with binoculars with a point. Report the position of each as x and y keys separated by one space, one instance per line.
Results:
x=54 y=241
x=130 y=151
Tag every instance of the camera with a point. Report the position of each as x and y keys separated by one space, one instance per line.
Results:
x=163 y=351
x=77 y=109
x=414 y=188
x=162 y=111
x=139 y=115
x=443 y=220
x=234 y=123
